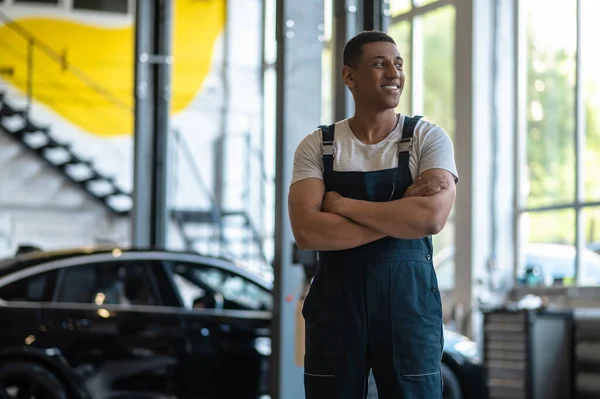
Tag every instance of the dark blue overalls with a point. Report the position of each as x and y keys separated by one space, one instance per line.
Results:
x=376 y=306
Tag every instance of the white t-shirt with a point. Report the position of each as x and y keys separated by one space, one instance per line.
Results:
x=431 y=149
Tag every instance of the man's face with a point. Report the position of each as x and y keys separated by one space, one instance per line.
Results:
x=378 y=77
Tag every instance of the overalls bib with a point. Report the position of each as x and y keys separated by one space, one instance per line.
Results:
x=375 y=306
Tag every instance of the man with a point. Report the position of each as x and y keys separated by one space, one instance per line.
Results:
x=368 y=193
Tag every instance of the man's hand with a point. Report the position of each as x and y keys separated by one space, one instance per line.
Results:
x=426 y=186
x=332 y=202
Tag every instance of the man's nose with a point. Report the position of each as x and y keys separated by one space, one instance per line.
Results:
x=392 y=72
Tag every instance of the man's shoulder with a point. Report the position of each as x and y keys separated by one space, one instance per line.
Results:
x=338 y=125
x=339 y=128
x=425 y=129
x=425 y=124
x=311 y=141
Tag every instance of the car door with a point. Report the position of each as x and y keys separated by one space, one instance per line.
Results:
x=230 y=315
x=107 y=321
x=201 y=366
x=20 y=314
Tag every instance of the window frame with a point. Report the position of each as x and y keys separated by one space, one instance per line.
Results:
x=579 y=205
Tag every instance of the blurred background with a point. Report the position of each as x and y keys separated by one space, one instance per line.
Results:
x=168 y=128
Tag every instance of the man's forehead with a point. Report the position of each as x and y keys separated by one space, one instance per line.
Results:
x=385 y=49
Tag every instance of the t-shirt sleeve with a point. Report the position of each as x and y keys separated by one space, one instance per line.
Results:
x=307 y=159
x=437 y=151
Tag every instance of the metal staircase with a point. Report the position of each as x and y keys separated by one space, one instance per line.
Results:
x=16 y=121
x=60 y=157
x=202 y=228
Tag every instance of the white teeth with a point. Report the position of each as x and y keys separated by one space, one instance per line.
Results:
x=390 y=87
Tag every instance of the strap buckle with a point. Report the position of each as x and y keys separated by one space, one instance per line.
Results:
x=405 y=145
x=327 y=148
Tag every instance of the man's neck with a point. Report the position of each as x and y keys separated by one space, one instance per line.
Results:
x=371 y=128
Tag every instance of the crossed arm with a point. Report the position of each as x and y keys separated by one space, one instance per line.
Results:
x=327 y=222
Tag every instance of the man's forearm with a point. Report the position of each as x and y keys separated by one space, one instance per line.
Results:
x=407 y=218
x=322 y=231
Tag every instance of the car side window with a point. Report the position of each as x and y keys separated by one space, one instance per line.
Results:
x=125 y=283
x=202 y=286
x=36 y=288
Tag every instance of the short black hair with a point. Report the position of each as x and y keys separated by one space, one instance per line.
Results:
x=353 y=49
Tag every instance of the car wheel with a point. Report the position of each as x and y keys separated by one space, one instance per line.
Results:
x=29 y=380
x=451 y=384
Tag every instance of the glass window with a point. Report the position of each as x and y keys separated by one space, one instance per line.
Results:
x=398 y=7
x=420 y=3
x=206 y=286
x=107 y=284
x=401 y=33
x=326 y=85
x=590 y=65
x=37 y=288
x=552 y=200
x=548 y=249
x=445 y=266
x=119 y=6
x=438 y=68
x=590 y=261
x=550 y=79
x=326 y=65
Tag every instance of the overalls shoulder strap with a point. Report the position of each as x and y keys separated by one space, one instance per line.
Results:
x=408 y=131
x=327 y=150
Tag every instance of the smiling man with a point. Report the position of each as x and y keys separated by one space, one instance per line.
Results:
x=368 y=193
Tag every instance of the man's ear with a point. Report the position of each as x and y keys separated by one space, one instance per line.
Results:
x=348 y=76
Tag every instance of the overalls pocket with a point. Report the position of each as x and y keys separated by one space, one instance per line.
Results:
x=322 y=335
x=416 y=321
x=315 y=294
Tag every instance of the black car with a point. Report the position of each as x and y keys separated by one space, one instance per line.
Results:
x=116 y=323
